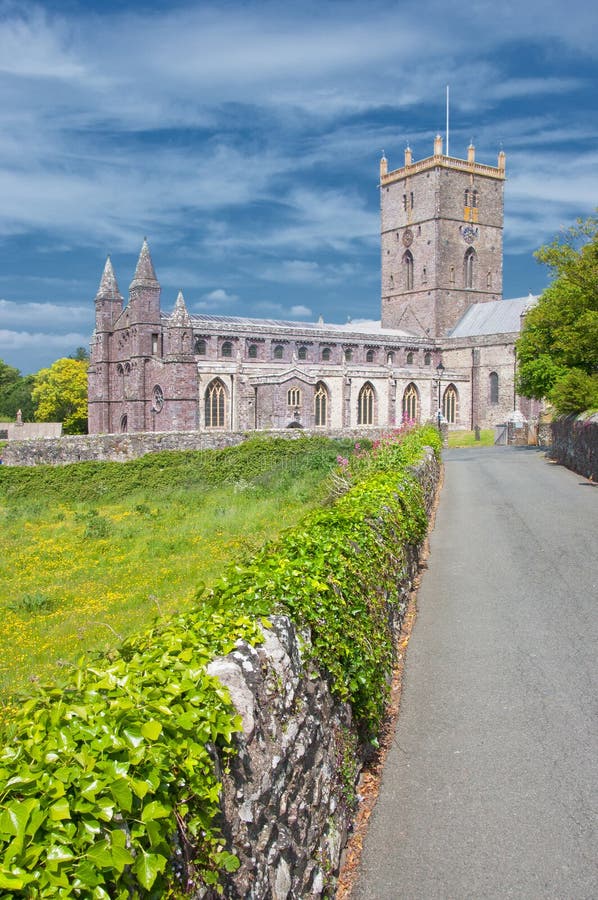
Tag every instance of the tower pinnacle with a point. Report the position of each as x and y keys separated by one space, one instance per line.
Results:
x=144 y=273
x=108 y=289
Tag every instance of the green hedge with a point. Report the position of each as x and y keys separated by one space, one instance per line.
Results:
x=103 y=778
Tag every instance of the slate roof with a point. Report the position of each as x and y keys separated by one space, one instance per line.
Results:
x=361 y=326
x=495 y=317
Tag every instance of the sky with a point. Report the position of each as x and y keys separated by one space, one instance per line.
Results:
x=244 y=138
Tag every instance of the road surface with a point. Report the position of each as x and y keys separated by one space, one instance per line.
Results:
x=490 y=788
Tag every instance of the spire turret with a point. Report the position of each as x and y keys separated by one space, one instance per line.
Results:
x=180 y=317
x=108 y=289
x=144 y=273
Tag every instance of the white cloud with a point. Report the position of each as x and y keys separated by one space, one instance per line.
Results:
x=214 y=300
x=302 y=312
x=37 y=340
x=44 y=315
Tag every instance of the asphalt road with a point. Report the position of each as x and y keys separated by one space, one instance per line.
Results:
x=490 y=788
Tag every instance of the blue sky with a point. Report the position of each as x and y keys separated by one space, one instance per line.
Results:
x=244 y=140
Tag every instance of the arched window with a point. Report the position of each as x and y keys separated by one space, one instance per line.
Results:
x=427 y=359
x=320 y=405
x=124 y=424
x=200 y=347
x=468 y=264
x=252 y=351
x=408 y=264
x=215 y=405
x=390 y=358
x=474 y=199
x=410 y=358
x=365 y=405
x=449 y=404
x=278 y=351
x=326 y=354
x=411 y=404
x=293 y=397
x=493 y=380
x=348 y=354
x=120 y=369
x=302 y=353
x=227 y=349
x=369 y=356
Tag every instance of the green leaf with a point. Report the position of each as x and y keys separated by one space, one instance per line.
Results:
x=155 y=810
x=151 y=730
x=60 y=810
x=148 y=866
x=121 y=792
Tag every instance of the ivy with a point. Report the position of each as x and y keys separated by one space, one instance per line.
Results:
x=109 y=783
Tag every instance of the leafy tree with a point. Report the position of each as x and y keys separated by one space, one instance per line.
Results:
x=15 y=393
x=558 y=346
x=60 y=395
x=80 y=353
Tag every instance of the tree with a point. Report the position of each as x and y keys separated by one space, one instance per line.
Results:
x=15 y=393
x=60 y=395
x=557 y=350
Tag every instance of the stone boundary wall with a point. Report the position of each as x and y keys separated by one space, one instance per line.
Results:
x=121 y=447
x=575 y=444
x=287 y=798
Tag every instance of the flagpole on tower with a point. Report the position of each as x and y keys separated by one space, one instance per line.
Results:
x=447 y=120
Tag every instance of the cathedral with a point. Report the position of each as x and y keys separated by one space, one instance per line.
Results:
x=444 y=346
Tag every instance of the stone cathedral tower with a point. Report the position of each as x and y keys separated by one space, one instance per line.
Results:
x=441 y=239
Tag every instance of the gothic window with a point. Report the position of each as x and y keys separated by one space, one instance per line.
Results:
x=227 y=349
x=120 y=369
x=427 y=359
x=320 y=405
x=390 y=358
x=293 y=397
x=365 y=405
x=278 y=351
x=154 y=344
x=411 y=404
x=200 y=347
x=158 y=395
x=468 y=267
x=410 y=358
x=449 y=404
x=466 y=199
x=302 y=353
x=369 y=356
x=127 y=368
x=348 y=354
x=124 y=424
x=493 y=382
x=474 y=199
x=408 y=264
x=252 y=351
x=326 y=354
x=215 y=404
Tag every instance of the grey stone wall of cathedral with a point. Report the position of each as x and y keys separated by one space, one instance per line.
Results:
x=286 y=798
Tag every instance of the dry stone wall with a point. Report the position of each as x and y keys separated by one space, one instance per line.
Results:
x=575 y=444
x=288 y=795
x=121 y=447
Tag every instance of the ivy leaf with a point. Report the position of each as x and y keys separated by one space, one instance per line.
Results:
x=155 y=810
x=151 y=730
x=148 y=866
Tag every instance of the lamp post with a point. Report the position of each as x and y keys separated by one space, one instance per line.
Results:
x=439 y=371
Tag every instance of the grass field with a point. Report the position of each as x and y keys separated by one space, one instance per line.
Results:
x=467 y=438
x=92 y=552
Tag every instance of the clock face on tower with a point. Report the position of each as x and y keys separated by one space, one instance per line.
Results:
x=469 y=233
x=407 y=237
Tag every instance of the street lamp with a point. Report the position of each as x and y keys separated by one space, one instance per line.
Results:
x=439 y=371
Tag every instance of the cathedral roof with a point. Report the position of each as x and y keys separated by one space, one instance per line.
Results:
x=494 y=317
x=359 y=327
x=108 y=289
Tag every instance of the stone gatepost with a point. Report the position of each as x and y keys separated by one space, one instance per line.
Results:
x=517 y=429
